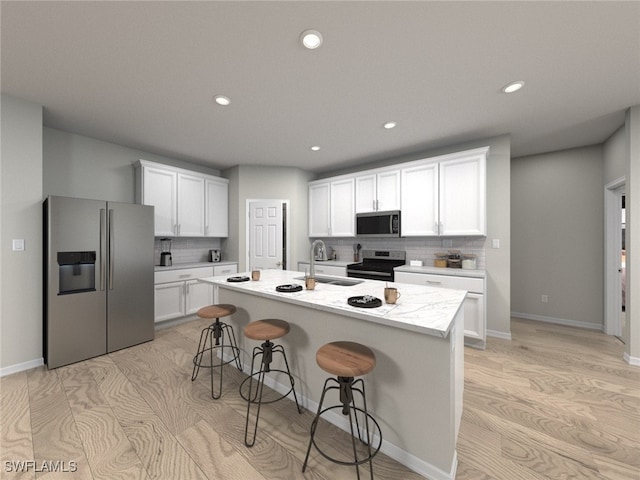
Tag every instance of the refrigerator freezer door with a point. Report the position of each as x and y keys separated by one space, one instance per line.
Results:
x=130 y=266
x=75 y=322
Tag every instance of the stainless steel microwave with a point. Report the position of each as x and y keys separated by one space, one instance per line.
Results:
x=378 y=224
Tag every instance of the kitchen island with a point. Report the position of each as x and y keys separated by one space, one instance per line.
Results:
x=415 y=391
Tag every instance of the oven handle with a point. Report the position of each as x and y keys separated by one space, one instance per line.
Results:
x=368 y=272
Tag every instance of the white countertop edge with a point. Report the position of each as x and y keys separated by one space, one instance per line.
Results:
x=454 y=272
x=179 y=266
x=298 y=299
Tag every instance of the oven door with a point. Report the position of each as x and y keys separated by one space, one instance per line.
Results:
x=370 y=274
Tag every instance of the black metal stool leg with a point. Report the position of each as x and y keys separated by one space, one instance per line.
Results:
x=212 y=338
x=266 y=351
x=258 y=396
x=346 y=387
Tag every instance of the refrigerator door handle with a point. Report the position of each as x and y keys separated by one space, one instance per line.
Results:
x=111 y=249
x=103 y=246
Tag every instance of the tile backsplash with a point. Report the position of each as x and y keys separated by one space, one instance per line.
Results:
x=422 y=248
x=188 y=250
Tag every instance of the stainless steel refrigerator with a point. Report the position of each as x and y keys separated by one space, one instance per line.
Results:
x=98 y=278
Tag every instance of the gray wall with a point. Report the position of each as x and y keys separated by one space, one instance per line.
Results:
x=21 y=218
x=557 y=234
x=615 y=156
x=251 y=182
x=78 y=166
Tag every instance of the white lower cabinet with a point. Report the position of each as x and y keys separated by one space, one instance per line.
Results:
x=322 y=268
x=178 y=293
x=169 y=301
x=474 y=305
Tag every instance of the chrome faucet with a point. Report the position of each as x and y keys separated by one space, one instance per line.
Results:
x=312 y=268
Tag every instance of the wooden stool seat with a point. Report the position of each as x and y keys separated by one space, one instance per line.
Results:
x=217 y=311
x=346 y=359
x=267 y=329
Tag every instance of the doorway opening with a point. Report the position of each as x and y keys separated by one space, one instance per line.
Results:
x=267 y=234
x=615 y=271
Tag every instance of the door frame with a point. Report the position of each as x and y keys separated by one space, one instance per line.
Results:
x=612 y=244
x=286 y=223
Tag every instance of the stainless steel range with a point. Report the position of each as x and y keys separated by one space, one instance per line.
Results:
x=377 y=265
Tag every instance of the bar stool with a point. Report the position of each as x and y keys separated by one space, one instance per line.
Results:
x=212 y=338
x=266 y=331
x=347 y=360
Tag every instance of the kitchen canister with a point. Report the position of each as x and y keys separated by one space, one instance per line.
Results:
x=453 y=259
x=440 y=260
x=469 y=261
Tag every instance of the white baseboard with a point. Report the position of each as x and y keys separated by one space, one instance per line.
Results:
x=21 y=367
x=635 y=361
x=497 y=334
x=558 y=321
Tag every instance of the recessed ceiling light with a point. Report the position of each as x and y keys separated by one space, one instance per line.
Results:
x=311 y=39
x=222 y=100
x=315 y=148
x=390 y=125
x=513 y=87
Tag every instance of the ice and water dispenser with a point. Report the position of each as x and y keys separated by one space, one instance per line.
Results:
x=77 y=272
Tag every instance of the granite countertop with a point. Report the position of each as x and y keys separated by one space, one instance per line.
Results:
x=423 y=309
x=178 y=266
x=457 y=272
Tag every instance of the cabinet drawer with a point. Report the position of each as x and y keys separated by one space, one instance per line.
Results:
x=182 y=274
x=475 y=285
x=225 y=269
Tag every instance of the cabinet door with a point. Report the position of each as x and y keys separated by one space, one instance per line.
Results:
x=420 y=200
x=159 y=189
x=225 y=269
x=169 y=301
x=366 y=193
x=216 y=208
x=190 y=205
x=474 y=325
x=388 y=190
x=198 y=295
x=342 y=205
x=462 y=196
x=332 y=270
x=319 y=194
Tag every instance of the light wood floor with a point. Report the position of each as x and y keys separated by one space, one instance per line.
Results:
x=554 y=403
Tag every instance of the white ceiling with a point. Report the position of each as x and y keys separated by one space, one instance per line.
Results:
x=143 y=75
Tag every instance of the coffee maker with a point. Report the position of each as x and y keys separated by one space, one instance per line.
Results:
x=165 y=256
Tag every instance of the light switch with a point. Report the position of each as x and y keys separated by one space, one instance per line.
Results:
x=18 y=244
x=495 y=243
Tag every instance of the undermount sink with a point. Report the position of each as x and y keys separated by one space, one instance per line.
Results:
x=341 y=282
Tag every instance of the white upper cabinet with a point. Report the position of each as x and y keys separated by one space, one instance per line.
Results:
x=187 y=204
x=319 y=209
x=462 y=195
x=445 y=195
x=190 y=205
x=216 y=208
x=438 y=196
x=420 y=200
x=342 y=217
x=159 y=187
x=378 y=191
x=331 y=208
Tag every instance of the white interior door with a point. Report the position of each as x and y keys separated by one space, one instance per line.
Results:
x=265 y=234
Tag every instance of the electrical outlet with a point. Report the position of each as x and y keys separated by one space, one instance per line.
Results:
x=447 y=243
x=544 y=298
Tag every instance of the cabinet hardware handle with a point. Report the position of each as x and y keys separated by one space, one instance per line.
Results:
x=433 y=282
x=186 y=275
